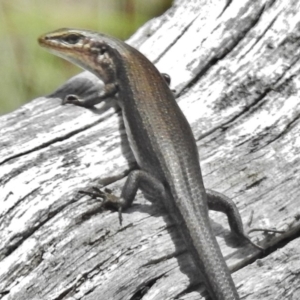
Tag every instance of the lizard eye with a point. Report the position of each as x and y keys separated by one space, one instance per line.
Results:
x=72 y=39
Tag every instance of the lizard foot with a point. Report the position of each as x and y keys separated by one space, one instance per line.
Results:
x=265 y=230
x=108 y=199
x=73 y=99
x=76 y=100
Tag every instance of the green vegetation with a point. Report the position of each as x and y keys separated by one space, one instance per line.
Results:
x=28 y=71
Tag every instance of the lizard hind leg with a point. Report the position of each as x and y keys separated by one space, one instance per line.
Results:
x=137 y=179
x=221 y=203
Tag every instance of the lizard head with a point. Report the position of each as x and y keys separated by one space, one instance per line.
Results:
x=89 y=50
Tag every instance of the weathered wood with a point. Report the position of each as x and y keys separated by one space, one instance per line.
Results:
x=235 y=68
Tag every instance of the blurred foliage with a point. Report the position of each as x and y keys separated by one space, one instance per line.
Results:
x=28 y=71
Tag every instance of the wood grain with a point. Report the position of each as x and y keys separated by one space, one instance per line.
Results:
x=235 y=68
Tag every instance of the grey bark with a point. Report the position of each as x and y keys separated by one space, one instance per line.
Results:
x=235 y=68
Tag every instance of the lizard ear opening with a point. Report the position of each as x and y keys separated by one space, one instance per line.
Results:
x=103 y=49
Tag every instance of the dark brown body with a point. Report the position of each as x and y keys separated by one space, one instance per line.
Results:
x=164 y=146
x=161 y=140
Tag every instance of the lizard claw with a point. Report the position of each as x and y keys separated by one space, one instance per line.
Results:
x=107 y=199
x=265 y=230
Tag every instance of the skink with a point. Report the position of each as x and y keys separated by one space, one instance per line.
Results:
x=162 y=143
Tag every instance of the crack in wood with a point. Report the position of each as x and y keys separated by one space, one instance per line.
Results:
x=51 y=142
x=181 y=33
x=260 y=37
x=17 y=239
x=143 y=289
x=224 y=49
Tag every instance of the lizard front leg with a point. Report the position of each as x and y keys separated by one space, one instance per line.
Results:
x=109 y=90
